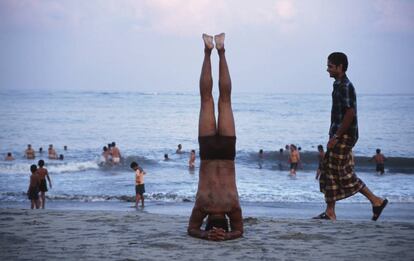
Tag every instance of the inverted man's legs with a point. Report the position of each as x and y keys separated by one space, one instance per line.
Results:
x=207 y=121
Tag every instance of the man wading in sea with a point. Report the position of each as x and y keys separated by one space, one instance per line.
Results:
x=217 y=197
x=338 y=179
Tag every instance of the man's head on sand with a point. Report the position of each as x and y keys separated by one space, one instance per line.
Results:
x=337 y=65
x=33 y=168
x=378 y=151
x=217 y=221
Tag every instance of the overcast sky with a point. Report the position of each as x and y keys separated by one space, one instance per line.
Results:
x=156 y=45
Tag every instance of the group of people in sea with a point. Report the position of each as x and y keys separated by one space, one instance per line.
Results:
x=295 y=163
x=191 y=160
x=111 y=155
x=30 y=153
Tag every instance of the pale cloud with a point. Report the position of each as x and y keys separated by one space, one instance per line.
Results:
x=187 y=17
x=285 y=9
x=395 y=15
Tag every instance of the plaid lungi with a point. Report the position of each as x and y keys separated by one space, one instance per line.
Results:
x=338 y=179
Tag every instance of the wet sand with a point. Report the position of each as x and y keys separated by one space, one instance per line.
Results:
x=138 y=235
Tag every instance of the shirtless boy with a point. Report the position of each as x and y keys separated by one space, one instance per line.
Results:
x=139 y=183
x=43 y=174
x=116 y=154
x=294 y=159
x=191 y=161
x=379 y=159
x=52 y=152
x=9 y=157
x=29 y=152
x=217 y=197
x=321 y=156
x=33 y=190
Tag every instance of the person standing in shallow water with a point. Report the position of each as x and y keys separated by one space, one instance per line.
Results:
x=321 y=156
x=217 y=197
x=33 y=190
x=43 y=174
x=338 y=179
x=379 y=159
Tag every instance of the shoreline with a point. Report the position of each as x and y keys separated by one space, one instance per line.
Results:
x=137 y=235
x=395 y=212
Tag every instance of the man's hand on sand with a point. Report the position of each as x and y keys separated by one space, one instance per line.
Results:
x=219 y=39
x=208 y=41
x=216 y=234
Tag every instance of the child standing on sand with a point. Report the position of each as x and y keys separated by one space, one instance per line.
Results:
x=139 y=184
x=33 y=190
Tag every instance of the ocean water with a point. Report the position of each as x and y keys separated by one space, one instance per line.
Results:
x=145 y=126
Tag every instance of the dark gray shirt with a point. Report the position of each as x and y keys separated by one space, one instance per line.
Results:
x=343 y=98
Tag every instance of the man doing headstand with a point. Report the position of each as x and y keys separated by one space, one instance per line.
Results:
x=217 y=197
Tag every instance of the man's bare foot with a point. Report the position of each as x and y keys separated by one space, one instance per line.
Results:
x=208 y=41
x=219 y=39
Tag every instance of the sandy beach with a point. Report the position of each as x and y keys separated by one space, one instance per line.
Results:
x=139 y=235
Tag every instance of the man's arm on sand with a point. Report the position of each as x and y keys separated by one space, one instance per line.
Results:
x=196 y=220
x=236 y=223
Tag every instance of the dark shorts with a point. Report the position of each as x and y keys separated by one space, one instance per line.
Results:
x=380 y=168
x=294 y=166
x=33 y=193
x=43 y=185
x=217 y=147
x=140 y=189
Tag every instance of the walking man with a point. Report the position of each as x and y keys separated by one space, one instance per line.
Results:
x=338 y=179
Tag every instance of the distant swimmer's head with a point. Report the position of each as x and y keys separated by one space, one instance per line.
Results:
x=61 y=157
x=65 y=147
x=40 y=149
x=260 y=151
x=33 y=168
x=217 y=222
x=320 y=147
x=134 y=165
x=281 y=151
x=378 y=151
x=166 y=156
x=41 y=163
x=179 y=146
